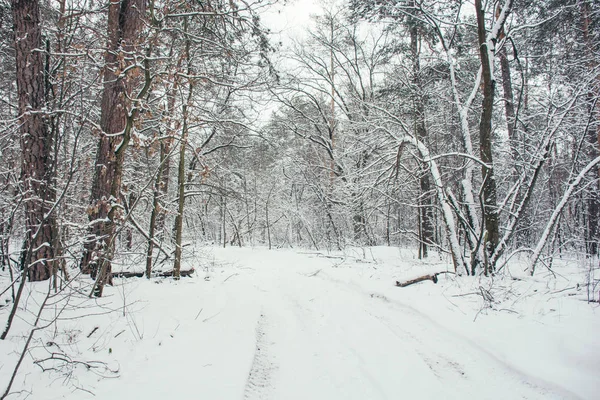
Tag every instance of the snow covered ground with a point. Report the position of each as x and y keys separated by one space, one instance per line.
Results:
x=293 y=324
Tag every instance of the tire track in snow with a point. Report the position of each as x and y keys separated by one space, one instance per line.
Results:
x=339 y=346
x=440 y=358
x=444 y=362
x=259 y=382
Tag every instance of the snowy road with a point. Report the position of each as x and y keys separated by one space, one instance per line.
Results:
x=322 y=338
x=281 y=325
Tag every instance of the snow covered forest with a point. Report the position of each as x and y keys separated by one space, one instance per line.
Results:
x=401 y=198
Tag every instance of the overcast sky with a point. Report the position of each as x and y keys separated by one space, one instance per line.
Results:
x=289 y=20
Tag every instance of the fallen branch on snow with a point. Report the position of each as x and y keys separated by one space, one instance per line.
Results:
x=429 y=277
x=166 y=274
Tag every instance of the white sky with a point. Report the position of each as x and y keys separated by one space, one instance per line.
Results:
x=290 y=19
x=287 y=20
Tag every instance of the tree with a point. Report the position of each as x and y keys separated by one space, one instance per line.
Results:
x=336 y=77
x=425 y=209
x=590 y=16
x=37 y=180
x=182 y=147
x=487 y=52
x=118 y=113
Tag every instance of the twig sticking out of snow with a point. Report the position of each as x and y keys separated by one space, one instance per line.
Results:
x=92 y=332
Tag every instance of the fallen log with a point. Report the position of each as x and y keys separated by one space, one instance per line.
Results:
x=165 y=274
x=429 y=277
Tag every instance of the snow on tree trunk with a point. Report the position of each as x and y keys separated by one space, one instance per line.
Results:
x=557 y=212
x=37 y=181
x=116 y=122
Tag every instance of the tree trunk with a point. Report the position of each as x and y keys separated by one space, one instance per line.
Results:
x=163 y=188
x=116 y=121
x=161 y=185
x=156 y=210
x=181 y=169
x=592 y=234
x=166 y=147
x=509 y=105
x=181 y=195
x=359 y=218
x=550 y=225
x=425 y=211
x=36 y=142
x=449 y=221
x=490 y=210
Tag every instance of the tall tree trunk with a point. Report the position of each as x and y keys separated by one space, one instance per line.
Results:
x=36 y=142
x=359 y=218
x=425 y=199
x=509 y=105
x=116 y=122
x=490 y=210
x=181 y=191
x=592 y=235
x=181 y=169
x=166 y=147
x=161 y=185
x=332 y=126
x=156 y=208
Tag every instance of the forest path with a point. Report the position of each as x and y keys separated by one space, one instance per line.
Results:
x=324 y=338
x=255 y=324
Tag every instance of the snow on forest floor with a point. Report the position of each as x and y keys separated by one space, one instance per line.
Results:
x=291 y=324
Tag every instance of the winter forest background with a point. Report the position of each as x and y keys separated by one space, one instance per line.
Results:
x=131 y=129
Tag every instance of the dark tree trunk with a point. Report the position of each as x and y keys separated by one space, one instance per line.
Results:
x=124 y=25
x=490 y=210
x=181 y=195
x=509 y=105
x=425 y=217
x=36 y=142
x=592 y=235
x=181 y=168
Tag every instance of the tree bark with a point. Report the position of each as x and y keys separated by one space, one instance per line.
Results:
x=425 y=211
x=181 y=169
x=156 y=210
x=181 y=195
x=36 y=142
x=509 y=105
x=116 y=122
x=592 y=234
x=490 y=210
